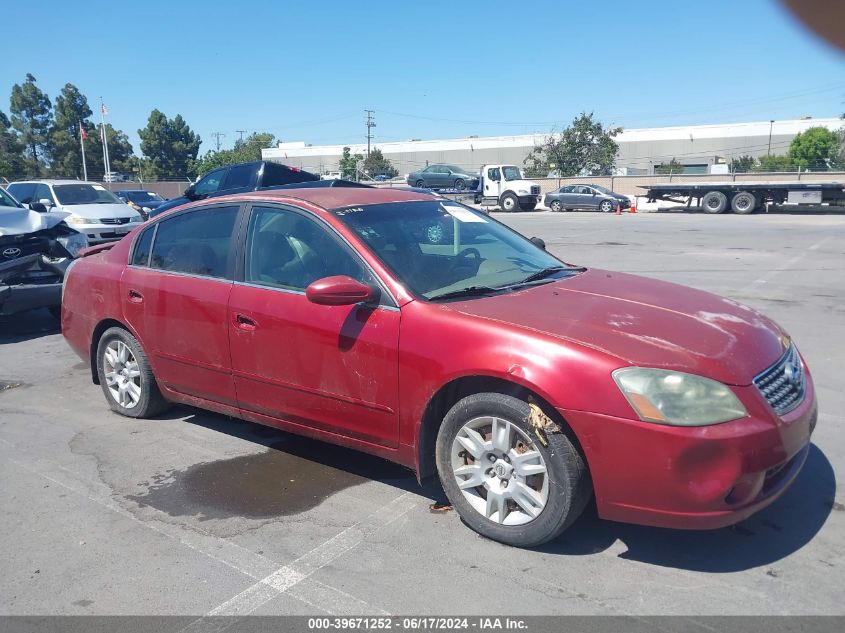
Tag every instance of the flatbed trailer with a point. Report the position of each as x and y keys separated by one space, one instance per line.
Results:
x=747 y=197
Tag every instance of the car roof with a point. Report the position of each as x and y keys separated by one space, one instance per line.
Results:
x=333 y=197
x=53 y=181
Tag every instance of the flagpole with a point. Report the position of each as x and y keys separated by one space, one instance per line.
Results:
x=82 y=146
x=105 y=142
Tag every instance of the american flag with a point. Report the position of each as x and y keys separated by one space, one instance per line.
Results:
x=82 y=132
x=104 y=109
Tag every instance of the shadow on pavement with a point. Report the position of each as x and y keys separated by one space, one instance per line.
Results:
x=766 y=537
x=26 y=326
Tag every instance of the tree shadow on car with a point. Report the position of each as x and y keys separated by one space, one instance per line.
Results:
x=766 y=537
x=25 y=326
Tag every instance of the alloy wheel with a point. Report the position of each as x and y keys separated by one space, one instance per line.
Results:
x=122 y=373
x=499 y=471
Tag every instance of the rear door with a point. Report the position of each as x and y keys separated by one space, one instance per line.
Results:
x=175 y=294
x=333 y=368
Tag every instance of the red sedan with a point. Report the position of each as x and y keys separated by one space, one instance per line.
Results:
x=527 y=384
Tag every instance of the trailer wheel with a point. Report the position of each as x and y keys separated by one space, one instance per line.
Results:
x=714 y=202
x=744 y=203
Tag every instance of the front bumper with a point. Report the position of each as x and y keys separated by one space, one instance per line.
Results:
x=695 y=478
x=99 y=233
x=529 y=199
x=18 y=298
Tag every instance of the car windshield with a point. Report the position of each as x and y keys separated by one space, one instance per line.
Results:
x=7 y=201
x=601 y=189
x=84 y=194
x=143 y=196
x=511 y=172
x=436 y=247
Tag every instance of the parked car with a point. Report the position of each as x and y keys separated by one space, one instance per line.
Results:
x=91 y=208
x=237 y=178
x=35 y=251
x=526 y=383
x=443 y=177
x=592 y=197
x=144 y=202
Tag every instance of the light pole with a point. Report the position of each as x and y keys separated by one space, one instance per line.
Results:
x=769 y=151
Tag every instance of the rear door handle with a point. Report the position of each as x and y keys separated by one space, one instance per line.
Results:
x=135 y=296
x=243 y=322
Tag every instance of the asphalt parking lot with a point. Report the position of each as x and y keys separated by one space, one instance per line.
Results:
x=195 y=513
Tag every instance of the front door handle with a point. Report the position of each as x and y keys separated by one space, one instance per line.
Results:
x=135 y=296
x=243 y=322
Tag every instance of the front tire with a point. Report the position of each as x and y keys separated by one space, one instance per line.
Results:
x=420 y=184
x=126 y=376
x=509 y=203
x=556 y=206
x=606 y=206
x=502 y=480
x=460 y=185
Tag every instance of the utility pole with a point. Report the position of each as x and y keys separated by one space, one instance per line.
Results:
x=769 y=151
x=370 y=123
x=241 y=132
x=217 y=136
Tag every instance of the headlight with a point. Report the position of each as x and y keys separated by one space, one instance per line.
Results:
x=136 y=219
x=676 y=398
x=146 y=209
x=522 y=192
x=73 y=243
x=75 y=219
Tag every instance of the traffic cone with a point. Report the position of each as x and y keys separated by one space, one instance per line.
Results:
x=618 y=208
x=633 y=207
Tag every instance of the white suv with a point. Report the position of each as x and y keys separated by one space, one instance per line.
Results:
x=94 y=210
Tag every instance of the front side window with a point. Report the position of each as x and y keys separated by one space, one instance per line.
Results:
x=42 y=192
x=7 y=201
x=70 y=195
x=288 y=250
x=197 y=243
x=493 y=174
x=210 y=183
x=440 y=247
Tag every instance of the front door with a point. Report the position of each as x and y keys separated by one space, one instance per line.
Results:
x=492 y=180
x=175 y=295
x=334 y=368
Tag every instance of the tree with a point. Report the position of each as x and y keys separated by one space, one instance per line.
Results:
x=170 y=146
x=245 y=150
x=742 y=164
x=31 y=117
x=774 y=163
x=377 y=165
x=672 y=167
x=71 y=111
x=349 y=164
x=585 y=147
x=815 y=148
x=12 y=164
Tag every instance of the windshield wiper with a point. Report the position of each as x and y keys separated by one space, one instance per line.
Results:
x=470 y=291
x=545 y=272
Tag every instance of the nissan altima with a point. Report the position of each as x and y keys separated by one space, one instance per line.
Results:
x=525 y=383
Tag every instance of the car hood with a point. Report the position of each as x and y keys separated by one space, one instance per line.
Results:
x=115 y=210
x=16 y=221
x=171 y=204
x=644 y=322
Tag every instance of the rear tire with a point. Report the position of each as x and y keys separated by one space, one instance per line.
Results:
x=714 y=202
x=744 y=203
x=528 y=493
x=126 y=376
x=509 y=203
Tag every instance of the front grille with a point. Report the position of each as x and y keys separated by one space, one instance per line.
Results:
x=535 y=190
x=114 y=220
x=782 y=384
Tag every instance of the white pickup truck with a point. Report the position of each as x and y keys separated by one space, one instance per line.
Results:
x=504 y=186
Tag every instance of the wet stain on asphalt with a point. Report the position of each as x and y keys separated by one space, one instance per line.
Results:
x=288 y=478
x=611 y=244
x=5 y=385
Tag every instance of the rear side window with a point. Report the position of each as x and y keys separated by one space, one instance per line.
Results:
x=22 y=191
x=141 y=254
x=239 y=177
x=197 y=243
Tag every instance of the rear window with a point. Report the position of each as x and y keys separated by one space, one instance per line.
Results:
x=197 y=243
x=239 y=177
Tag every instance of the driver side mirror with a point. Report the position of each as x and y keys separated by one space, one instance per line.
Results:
x=38 y=206
x=340 y=290
x=190 y=193
x=539 y=242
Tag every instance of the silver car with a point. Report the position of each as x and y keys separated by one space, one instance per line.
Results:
x=592 y=197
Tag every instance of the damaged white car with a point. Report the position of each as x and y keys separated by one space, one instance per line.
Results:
x=35 y=252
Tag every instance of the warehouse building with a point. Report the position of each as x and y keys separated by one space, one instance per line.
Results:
x=697 y=147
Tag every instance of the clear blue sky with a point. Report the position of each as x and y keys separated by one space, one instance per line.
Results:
x=307 y=70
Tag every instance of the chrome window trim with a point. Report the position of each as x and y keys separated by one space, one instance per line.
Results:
x=290 y=291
